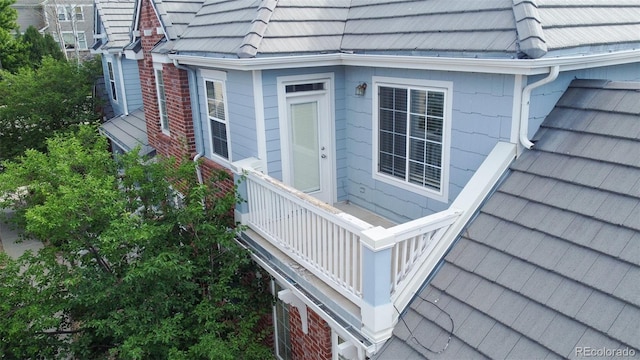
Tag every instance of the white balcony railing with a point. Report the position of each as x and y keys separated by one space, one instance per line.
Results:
x=350 y=254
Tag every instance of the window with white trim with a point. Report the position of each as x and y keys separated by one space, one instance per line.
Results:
x=162 y=100
x=411 y=140
x=70 y=40
x=282 y=329
x=112 y=81
x=67 y=12
x=217 y=115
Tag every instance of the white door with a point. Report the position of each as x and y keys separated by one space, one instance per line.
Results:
x=310 y=152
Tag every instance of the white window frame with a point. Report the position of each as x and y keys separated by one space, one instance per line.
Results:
x=162 y=99
x=112 y=80
x=425 y=85
x=275 y=288
x=63 y=10
x=219 y=77
x=82 y=43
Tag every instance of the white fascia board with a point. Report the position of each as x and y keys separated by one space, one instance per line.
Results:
x=491 y=66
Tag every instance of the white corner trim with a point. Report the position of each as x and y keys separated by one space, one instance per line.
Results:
x=290 y=298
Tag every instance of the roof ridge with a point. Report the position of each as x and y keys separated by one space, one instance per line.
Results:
x=251 y=41
x=529 y=28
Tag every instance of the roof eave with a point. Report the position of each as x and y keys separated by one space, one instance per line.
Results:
x=492 y=66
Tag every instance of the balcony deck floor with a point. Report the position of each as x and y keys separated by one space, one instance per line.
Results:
x=364 y=214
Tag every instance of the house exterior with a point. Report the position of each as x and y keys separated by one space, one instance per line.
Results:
x=364 y=135
x=69 y=22
x=125 y=126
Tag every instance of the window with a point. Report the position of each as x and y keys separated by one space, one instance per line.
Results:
x=411 y=136
x=67 y=12
x=112 y=81
x=70 y=40
x=216 y=110
x=282 y=329
x=162 y=100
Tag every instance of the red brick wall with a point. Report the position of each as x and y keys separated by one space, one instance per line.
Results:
x=181 y=140
x=316 y=344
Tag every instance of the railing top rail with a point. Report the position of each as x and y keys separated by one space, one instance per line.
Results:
x=425 y=224
x=348 y=221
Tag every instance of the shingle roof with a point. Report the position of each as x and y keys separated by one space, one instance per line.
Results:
x=552 y=261
x=488 y=28
x=117 y=19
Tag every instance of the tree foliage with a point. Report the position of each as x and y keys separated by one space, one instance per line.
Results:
x=35 y=103
x=12 y=50
x=132 y=269
x=39 y=46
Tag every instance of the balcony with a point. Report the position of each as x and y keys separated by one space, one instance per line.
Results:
x=361 y=271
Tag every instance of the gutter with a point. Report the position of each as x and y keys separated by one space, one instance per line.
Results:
x=525 y=101
x=491 y=66
x=197 y=131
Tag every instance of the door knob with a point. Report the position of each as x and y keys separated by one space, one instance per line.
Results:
x=323 y=156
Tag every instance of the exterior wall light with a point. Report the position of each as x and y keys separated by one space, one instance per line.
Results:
x=361 y=88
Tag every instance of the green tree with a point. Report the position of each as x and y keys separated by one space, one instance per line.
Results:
x=39 y=46
x=132 y=269
x=12 y=50
x=35 y=103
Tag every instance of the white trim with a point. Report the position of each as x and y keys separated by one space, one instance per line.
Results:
x=289 y=298
x=158 y=67
x=160 y=59
x=125 y=105
x=518 y=82
x=282 y=82
x=489 y=66
x=447 y=88
x=113 y=71
x=258 y=104
x=221 y=77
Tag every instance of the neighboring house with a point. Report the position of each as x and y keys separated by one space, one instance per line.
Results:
x=366 y=134
x=70 y=21
x=126 y=129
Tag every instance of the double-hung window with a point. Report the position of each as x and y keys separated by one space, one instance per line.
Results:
x=217 y=115
x=68 y=12
x=412 y=131
x=162 y=99
x=112 y=81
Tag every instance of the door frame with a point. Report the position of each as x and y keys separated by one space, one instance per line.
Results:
x=285 y=128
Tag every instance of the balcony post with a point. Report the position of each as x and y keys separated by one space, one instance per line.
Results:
x=239 y=169
x=377 y=307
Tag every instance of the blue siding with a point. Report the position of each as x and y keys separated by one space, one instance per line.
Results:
x=241 y=112
x=131 y=77
x=116 y=105
x=272 y=122
x=481 y=116
x=132 y=83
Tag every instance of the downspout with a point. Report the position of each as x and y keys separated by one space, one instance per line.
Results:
x=526 y=101
x=197 y=131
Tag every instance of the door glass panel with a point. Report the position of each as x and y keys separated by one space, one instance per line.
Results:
x=304 y=146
